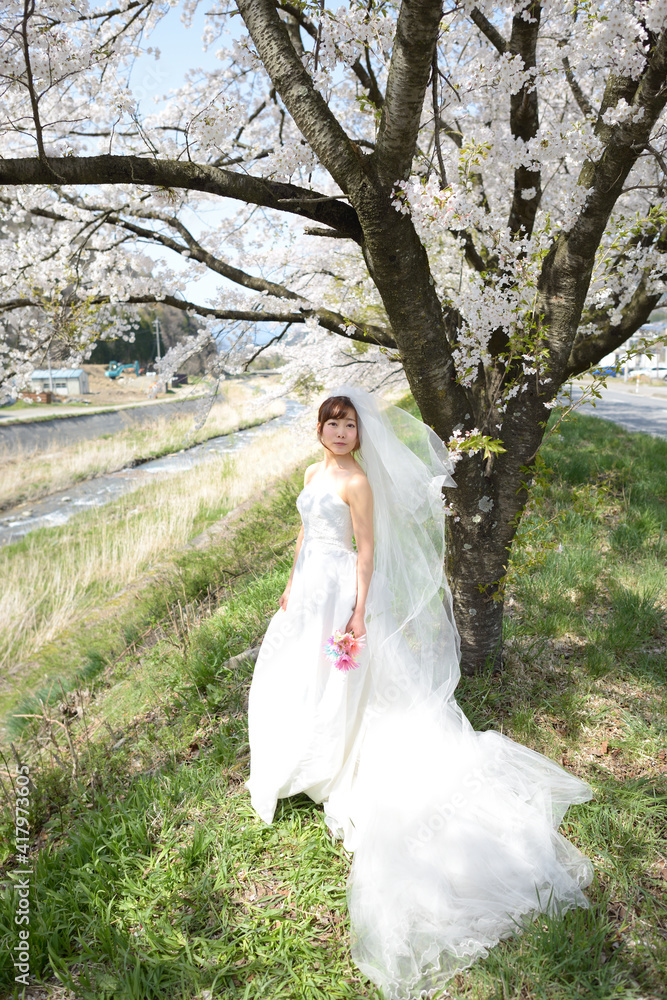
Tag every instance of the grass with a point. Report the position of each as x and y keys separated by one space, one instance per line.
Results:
x=153 y=878
x=27 y=476
x=61 y=576
x=64 y=573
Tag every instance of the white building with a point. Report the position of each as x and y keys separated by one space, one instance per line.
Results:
x=655 y=332
x=61 y=381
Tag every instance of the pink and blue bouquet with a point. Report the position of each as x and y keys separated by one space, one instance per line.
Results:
x=342 y=648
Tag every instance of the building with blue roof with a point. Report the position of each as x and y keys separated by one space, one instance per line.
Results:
x=60 y=381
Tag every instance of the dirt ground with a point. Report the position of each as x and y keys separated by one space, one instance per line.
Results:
x=124 y=389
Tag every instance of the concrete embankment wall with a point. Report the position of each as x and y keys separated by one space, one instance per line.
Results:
x=41 y=435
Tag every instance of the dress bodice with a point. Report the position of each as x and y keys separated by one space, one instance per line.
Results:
x=326 y=517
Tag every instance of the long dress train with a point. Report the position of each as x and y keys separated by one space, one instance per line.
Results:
x=454 y=833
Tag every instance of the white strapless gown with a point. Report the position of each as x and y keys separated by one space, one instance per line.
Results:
x=454 y=833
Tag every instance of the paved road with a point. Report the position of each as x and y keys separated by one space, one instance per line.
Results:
x=631 y=410
x=40 y=435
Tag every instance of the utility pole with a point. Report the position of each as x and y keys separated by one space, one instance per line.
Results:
x=157 y=337
x=48 y=356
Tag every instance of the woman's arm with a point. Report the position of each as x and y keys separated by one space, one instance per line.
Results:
x=284 y=597
x=360 y=499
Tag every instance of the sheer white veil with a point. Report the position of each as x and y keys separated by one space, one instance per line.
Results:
x=409 y=617
x=454 y=832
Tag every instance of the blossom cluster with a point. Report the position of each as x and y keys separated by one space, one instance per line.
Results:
x=289 y=159
x=177 y=355
x=84 y=262
x=210 y=127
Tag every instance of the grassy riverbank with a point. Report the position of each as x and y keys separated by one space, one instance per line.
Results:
x=26 y=476
x=153 y=878
x=63 y=578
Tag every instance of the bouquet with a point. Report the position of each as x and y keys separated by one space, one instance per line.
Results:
x=342 y=647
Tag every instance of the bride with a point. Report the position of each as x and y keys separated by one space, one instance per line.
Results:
x=454 y=833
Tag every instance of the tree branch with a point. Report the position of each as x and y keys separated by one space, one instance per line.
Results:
x=585 y=105
x=567 y=269
x=658 y=156
x=189 y=176
x=311 y=114
x=364 y=74
x=368 y=80
x=28 y=12
x=587 y=350
x=335 y=322
x=106 y=14
x=365 y=333
x=590 y=350
x=625 y=142
x=524 y=120
x=274 y=340
x=300 y=18
x=455 y=133
x=436 y=119
x=409 y=70
x=349 y=329
x=488 y=29
x=197 y=252
x=12 y=304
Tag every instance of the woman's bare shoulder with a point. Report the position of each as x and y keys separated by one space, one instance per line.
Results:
x=357 y=486
x=310 y=472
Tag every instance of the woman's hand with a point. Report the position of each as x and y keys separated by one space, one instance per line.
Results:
x=356 y=624
x=284 y=597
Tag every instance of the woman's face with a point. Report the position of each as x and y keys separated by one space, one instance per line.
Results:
x=339 y=434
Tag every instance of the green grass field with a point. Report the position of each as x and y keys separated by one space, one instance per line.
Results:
x=152 y=875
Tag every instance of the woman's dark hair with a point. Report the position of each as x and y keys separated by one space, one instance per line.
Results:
x=335 y=408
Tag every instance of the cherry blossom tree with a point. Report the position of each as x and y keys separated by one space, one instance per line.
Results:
x=468 y=194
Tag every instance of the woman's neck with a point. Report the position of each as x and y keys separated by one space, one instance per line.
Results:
x=337 y=463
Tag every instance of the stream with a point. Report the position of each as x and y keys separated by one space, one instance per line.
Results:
x=58 y=508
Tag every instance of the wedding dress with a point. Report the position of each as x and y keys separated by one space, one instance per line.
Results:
x=454 y=832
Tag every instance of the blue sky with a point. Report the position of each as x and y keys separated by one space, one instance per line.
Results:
x=181 y=49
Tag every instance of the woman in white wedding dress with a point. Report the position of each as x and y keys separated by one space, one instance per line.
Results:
x=454 y=833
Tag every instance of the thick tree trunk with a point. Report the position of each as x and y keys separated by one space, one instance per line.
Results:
x=488 y=507
x=480 y=533
x=476 y=564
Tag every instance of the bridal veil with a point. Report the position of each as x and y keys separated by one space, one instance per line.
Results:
x=454 y=832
